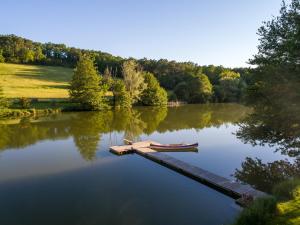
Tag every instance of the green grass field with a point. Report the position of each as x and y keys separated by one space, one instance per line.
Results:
x=34 y=81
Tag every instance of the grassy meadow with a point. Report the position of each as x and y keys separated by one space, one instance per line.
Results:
x=32 y=81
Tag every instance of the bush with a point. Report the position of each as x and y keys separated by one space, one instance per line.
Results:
x=285 y=190
x=153 y=94
x=172 y=96
x=25 y=103
x=259 y=213
x=121 y=97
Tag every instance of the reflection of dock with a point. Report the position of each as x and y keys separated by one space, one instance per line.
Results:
x=226 y=186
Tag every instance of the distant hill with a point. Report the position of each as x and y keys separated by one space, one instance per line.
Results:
x=34 y=81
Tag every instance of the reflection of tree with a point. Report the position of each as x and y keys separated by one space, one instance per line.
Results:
x=153 y=117
x=273 y=125
x=265 y=176
x=27 y=133
x=135 y=126
x=87 y=128
x=139 y=120
x=129 y=121
x=201 y=116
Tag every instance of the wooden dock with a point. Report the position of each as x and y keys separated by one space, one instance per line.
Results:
x=234 y=189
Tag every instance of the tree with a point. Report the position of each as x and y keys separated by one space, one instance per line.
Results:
x=276 y=77
x=133 y=79
x=200 y=89
x=38 y=54
x=121 y=97
x=229 y=75
x=182 y=91
x=107 y=77
x=86 y=86
x=279 y=38
x=27 y=55
x=228 y=88
x=154 y=94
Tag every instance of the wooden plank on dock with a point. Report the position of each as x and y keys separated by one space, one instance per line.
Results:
x=226 y=186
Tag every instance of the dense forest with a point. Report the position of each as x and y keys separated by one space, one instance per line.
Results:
x=184 y=81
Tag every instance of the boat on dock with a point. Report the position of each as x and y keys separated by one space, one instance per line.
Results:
x=173 y=146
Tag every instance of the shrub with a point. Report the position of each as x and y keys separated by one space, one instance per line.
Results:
x=285 y=190
x=259 y=213
x=121 y=97
x=172 y=96
x=182 y=91
x=153 y=94
x=25 y=103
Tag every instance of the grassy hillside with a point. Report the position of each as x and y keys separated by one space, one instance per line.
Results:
x=34 y=81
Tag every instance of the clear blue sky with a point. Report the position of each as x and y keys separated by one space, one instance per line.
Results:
x=220 y=32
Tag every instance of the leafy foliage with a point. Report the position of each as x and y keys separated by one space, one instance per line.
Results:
x=86 y=87
x=25 y=103
x=153 y=95
x=182 y=91
x=121 y=97
x=286 y=189
x=259 y=213
x=133 y=79
x=200 y=89
x=288 y=213
x=279 y=38
x=277 y=78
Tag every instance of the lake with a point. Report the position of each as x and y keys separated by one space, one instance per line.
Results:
x=58 y=169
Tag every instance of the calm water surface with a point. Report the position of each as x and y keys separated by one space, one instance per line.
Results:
x=58 y=170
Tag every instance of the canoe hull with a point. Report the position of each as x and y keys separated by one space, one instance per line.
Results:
x=174 y=147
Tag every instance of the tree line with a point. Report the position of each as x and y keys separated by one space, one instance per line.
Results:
x=137 y=87
x=183 y=81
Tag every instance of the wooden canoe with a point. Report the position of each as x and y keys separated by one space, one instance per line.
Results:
x=173 y=146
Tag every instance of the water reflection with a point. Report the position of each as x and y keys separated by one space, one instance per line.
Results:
x=86 y=128
x=276 y=125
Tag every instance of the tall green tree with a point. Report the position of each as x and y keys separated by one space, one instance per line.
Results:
x=121 y=97
x=277 y=74
x=154 y=94
x=107 y=77
x=181 y=91
x=200 y=89
x=228 y=88
x=133 y=79
x=86 y=87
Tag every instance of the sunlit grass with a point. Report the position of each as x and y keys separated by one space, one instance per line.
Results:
x=289 y=211
x=34 y=81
